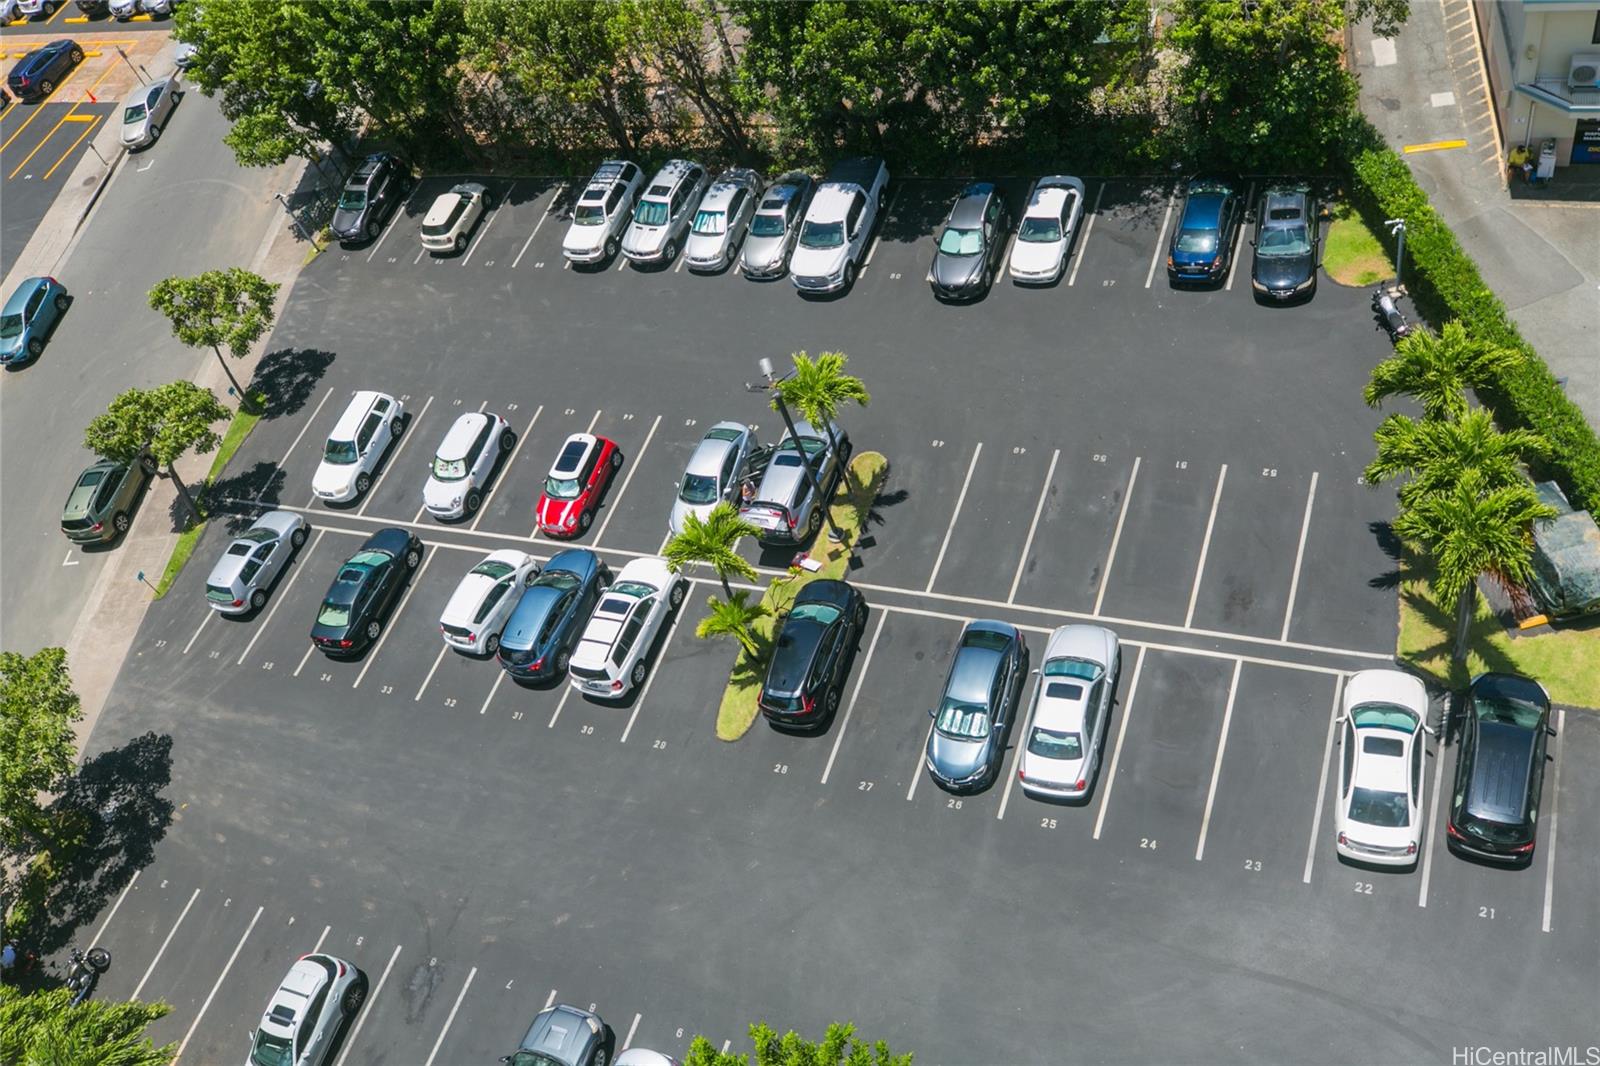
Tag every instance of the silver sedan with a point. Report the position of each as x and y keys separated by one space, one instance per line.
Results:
x=720 y=222
x=146 y=113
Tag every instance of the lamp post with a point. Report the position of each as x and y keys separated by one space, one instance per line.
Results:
x=1397 y=227
x=284 y=200
x=765 y=365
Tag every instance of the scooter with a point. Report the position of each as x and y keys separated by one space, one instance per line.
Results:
x=1388 y=312
x=85 y=971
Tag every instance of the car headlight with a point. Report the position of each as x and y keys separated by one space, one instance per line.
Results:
x=930 y=277
x=569 y=521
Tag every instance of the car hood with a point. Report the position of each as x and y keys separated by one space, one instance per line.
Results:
x=584 y=238
x=13 y=345
x=956 y=760
x=133 y=132
x=553 y=512
x=956 y=271
x=346 y=221
x=332 y=478
x=645 y=240
x=818 y=262
x=1283 y=271
x=705 y=245
x=442 y=495
x=1032 y=257
x=763 y=251
x=682 y=510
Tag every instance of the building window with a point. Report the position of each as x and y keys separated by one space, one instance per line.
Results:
x=1594 y=38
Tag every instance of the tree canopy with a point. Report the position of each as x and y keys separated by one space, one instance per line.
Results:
x=37 y=748
x=38 y=1029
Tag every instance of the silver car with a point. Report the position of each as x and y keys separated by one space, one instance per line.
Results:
x=720 y=222
x=1066 y=735
x=145 y=114
x=662 y=215
x=775 y=225
x=973 y=720
x=714 y=474
x=305 y=1016
x=248 y=567
x=784 y=505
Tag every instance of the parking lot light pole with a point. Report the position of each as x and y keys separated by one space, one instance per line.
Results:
x=1397 y=227
x=284 y=200
x=765 y=366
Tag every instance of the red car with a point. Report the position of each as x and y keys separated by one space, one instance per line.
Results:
x=572 y=491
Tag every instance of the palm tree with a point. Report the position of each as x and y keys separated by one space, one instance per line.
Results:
x=817 y=388
x=1437 y=371
x=1437 y=453
x=713 y=540
x=733 y=617
x=1469 y=529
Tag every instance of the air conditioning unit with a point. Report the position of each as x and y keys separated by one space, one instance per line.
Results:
x=1584 y=73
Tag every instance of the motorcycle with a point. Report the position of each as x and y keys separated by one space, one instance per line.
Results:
x=1388 y=312
x=84 y=972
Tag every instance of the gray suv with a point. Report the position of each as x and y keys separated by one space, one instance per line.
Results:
x=102 y=498
x=785 y=506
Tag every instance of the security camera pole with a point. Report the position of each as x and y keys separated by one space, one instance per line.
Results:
x=771 y=386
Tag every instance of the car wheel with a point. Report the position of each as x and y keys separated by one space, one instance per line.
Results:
x=155 y=134
x=599 y=1057
x=46 y=87
x=258 y=599
x=461 y=243
x=353 y=998
x=616 y=460
x=585 y=519
x=532 y=578
x=412 y=559
x=363 y=483
x=563 y=657
x=611 y=248
x=508 y=440
x=474 y=501
x=398 y=426
x=62 y=300
x=670 y=251
x=119 y=522
x=372 y=230
x=297 y=538
x=638 y=672
x=861 y=619
x=35 y=346
x=491 y=645
x=849 y=275
x=77 y=55
x=830 y=706
x=815 y=522
x=675 y=597
x=374 y=630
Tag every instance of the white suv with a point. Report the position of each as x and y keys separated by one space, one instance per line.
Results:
x=609 y=661
x=602 y=212
x=317 y=998
x=357 y=444
x=464 y=461
x=661 y=217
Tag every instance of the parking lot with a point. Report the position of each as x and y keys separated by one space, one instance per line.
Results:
x=1181 y=466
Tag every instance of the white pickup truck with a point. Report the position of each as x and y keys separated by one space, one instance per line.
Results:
x=838 y=224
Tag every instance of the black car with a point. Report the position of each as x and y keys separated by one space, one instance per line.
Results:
x=1202 y=245
x=537 y=642
x=377 y=187
x=1494 y=810
x=1285 y=262
x=94 y=7
x=368 y=584
x=37 y=74
x=815 y=645
x=971 y=243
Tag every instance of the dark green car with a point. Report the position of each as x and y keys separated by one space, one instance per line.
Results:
x=102 y=499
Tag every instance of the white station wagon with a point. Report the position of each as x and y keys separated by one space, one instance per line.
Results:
x=453 y=216
x=1066 y=732
x=463 y=463
x=371 y=422
x=610 y=660
x=481 y=604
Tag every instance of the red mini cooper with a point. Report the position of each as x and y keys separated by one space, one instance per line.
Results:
x=572 y=491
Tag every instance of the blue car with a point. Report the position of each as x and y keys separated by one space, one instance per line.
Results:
x=537 y=641
x=38 y=73
x=1202 y=245
x=30 y=315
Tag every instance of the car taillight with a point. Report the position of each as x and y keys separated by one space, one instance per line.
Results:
x=1411 y=849
x=472 y=638
x=1450 y=827
x=238 y=603
x=1020 y=775
x=341 y=969
x=537 y=664
x=616 y=686
x=1082 y=784
x=808 y=704
x=1343 y=839
x=793 y=520
x=1523 y=849
x=344 y=643
x=97 y=527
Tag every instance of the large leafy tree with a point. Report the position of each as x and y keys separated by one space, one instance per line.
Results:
x=220 y=308
x=168 y=420
x=713 y=540
x=733 y=617
x=839 y=1047
x=1436 y=454
x=37 y=748
x=1438 y=370
x=39 y=1029
x=686 y=43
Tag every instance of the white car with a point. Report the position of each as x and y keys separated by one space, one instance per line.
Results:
x=721 y=220
x=610 y=659
x=602 y=212
x=1066 y=732
x=1381 y=750
x=638 y=1056
x=838 y=224
x=1044 y=233
x=481 y=604
x=662 y=215
x=714 y=473
x=453 y=216
x=317 y=998
x=145 y=115
x=359 y=440
x=463 y=462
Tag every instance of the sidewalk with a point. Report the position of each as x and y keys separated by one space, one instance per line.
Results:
x=1537 y=249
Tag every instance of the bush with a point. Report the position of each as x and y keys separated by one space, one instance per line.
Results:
x=1445 y=284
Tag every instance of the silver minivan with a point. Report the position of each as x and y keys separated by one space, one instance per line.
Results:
x=248 y=567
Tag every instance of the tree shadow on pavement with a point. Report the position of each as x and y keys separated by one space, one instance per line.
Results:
x=288 y=377
x=239 y=498
x=1394 y=548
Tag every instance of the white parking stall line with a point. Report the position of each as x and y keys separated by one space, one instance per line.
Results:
x=1238 y=238
x=405 y=597
x=492 y=690
x=279 y=595
x=366 y=1010
x=922 y=754
x=550 y=1000
x=420 y=253
x=1083 y=242
x=163 y=948
x=633 y=468
x=477 y=238
x=393 y=220
x=483 y=406
x=1299 y=556
x=1016 y=757
x=451 y=1017
x=1216 y=766
x=1033 y=526
x=437 y=659
x=655 y=671
x=393 y=461
x=592 y=421
x=1205 y=547
x=562 y=702
x=1431 y=828
x=1322 y=782
x=318 y=945
x=547 y=213
x=622 y=263
x=512 y=458
x=1161 y=239
x=861 y=676
x=220 y=978
x=681 y=260
x=879 y=222
x=634 y=1028
x=1116 y=538
x=954 y=515
x=296 y=442
x=203 y=623
x=98 y=933
x=309 y=649
x=1110 y=775
x=1550 y=837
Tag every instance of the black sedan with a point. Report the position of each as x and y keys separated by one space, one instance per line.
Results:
x=37 y=74
x=971 y=244
x=1285 y=262
x=1202 y=245
x=537 y=642
x=815 y=646
x=352 y=614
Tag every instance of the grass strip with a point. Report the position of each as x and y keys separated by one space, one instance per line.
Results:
x=1352 y=254
x=850 y=510
x=238 y=429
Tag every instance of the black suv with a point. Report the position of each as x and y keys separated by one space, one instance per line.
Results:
x=1285 y=263
x=1494 y=811
x=37 y=74
x=815 y=646
x=371 y=195
x=367 y=586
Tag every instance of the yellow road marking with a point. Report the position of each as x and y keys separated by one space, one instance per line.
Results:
x=7 y=109
x=37 y=110
x=77 y=19
x=91 y=121
x=1433 y=146
x=70 y=116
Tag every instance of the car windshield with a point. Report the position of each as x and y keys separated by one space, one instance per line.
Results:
x=257 y=535
x=11 y=326
x=368 y=557
x=1049 y=744
x=960 y=241
x=493 y=568
x=1371 y=806
x=561 y=488
x=698 y=488
x=340 y=452
x=133 y=113
x=1285 y=241
x=271 y=1050
x=449 y=469
x=652 y=213
x=962 y=720
x=334 y=615
x=822 y=234
x=1197 y=240
x=710 y=223
x=589 y=215
x=824 y=614
x=1519 y=713
x=558 y=579
x=353 y=199
x=767 y=224
x=636 y=589
x=1082 y=669
x=1040 y=230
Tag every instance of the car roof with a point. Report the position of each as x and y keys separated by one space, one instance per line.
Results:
x=1062 y=702
x=1376 y=767
x=831 y=203
x=462 y=433
x=672 y=172
x=19 y=297
x=786 y=188
x=973 y=671
x=42 y=53
x=1498 y=788
x=709 y=456
x=1203 y=210
x=558 y=1031
x=607 y=174
x=720 y=194
x=969 y=206
x=355 y=413
x=1284 y=207
x=287 y=1007
x=570 y=458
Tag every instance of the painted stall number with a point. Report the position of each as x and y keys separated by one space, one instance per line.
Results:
x=1148 y=843
x=658 y=744
x=680 y=1032
x=360 y=940
x=1253 y=865
x=1363 y=888
x=1047 y=823
x=385 y=689
x=1269 y=471
x=586 y=730
x=780 y=767
x=1097 y=458
x=215 y=655
x=516 y=716
x=1486 y=912
x=327 y=677
x=863 y=786
x=268 y=666
x=952 y=805
x=161 y=644
x=1182 y=464
x=449 y=701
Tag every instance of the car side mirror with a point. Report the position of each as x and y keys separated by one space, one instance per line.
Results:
x=930 y=713
x=1550 y=729
x=1035 y=672
x=1428 y=729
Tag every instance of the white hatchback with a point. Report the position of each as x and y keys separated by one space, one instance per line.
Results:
x=610 y=660
x=317 y=998
x=484 y=600
x=462 y=465
x=371 y=422
x=1381 y=750
x=454 y=215
x=1072 y=699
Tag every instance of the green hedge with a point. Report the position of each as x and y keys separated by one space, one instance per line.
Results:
x=1444 y=283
